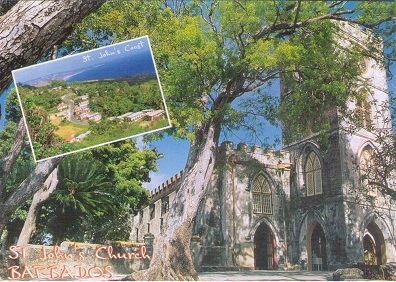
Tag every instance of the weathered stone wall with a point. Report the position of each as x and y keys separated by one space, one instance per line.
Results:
x=149 y=222
x=226 y=223
x=326 y=209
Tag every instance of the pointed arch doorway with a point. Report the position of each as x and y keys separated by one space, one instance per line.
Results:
x=316 y=248
x=373 y=245
x=264 y=248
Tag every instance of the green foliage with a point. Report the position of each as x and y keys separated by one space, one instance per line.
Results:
x=321 y=80
x=116 y=98
x=97 y=193
x=46 y=97
x=35 y=103
x=207 y=51
x=22 y=168
x=83 y=191
x=111 y=99
x=12 y=109
x=128 y=167
x=24 y=164
x=13 y=115
x=6 y=5
x=124 y=162
x=7 y=137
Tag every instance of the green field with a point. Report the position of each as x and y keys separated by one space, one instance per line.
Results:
x=52 y=131
x=67 y=129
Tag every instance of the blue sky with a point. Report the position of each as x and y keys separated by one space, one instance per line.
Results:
x=175 y=157
x=175 y=151
x=3 y=98
x=103 y=56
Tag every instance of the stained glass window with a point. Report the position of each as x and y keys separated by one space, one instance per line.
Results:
x=367 y=172
x=363 y=111
x=313 y=175
x=262 y=195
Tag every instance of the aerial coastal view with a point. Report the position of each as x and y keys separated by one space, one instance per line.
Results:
x=91 y=99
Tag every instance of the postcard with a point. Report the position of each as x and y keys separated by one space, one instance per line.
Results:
x=92 y=98
x=318 y=206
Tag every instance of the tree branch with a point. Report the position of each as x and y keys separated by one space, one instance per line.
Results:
x=42 y=195
x=209 y=20
x=8 y=160
x=30 y=29
x=260 y=82
x=288 y=26
x=379 y=22
x=334 y=3
x=54 y=52
x=31 y=184
x=297 y=12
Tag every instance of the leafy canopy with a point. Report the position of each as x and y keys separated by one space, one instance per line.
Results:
x=210 y=53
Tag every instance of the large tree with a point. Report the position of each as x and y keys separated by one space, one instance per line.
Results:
x=28 y=32
x=212 y=54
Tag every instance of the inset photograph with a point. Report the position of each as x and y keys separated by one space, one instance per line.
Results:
x=90 y=99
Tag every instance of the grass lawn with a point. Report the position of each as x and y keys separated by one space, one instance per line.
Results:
x=121 y=130
x=67 y=129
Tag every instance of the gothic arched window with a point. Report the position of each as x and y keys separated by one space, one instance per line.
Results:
x=262 y=195
x=363 y=117
x=367 y=172
x=363 y=114
x=313 y=175
x=364 y=66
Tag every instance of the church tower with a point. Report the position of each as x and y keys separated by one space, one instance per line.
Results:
x=338 y=217
x=313 y=204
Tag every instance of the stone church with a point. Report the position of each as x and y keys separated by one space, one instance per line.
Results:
x=299 y=206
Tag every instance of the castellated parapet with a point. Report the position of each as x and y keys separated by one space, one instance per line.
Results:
x=166 y=187
x=267 y=209
x=268 y=157
x=228 y=215
x=150 y=219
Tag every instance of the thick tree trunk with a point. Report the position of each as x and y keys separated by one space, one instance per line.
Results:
x=28 y=31
x=7 y=160
x=29 y=227
x=172 y=258
x=26 y=189
x=31 y=28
